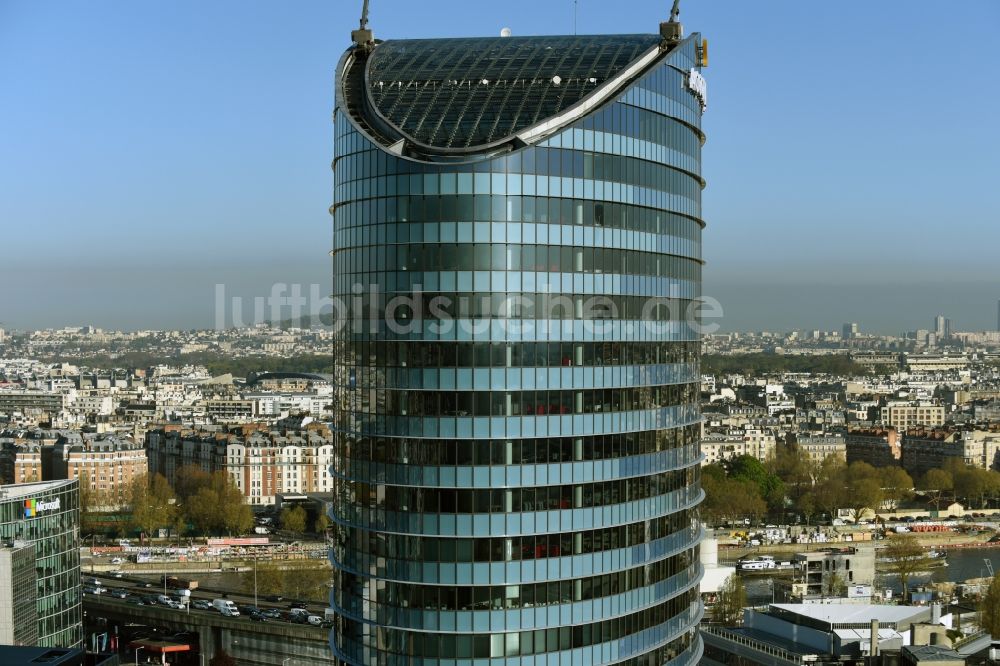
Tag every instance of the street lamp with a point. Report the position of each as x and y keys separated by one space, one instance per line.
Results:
x=137 y=654
x=255 y=580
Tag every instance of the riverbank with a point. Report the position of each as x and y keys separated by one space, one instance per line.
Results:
x=934 y=540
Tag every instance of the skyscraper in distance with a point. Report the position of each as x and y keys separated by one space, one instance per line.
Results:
x=517 y=242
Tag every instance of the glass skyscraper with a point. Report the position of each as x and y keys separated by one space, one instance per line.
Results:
x=517 y=255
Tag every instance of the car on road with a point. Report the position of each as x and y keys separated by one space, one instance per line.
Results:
x=249 y=610
x=272 y=613
x=119 y=594
x=314 y=620
x=257 y=616
x=117 y=560
x=275 y=598
x=202 y=604
x=91 y=589
x=116 y=574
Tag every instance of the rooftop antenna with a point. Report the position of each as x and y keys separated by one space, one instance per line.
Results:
x=363 y=37
x=672 y=31
x=575 y=3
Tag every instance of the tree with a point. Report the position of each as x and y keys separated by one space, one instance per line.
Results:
x=306 y=577
x=935 y=483
x=270 y=579
x=897 y=486
x=729 y=605
x=989 y=608
x=748 y=468
x=835 y=585
x=322 y=524
x=188 y=480
x=864 y=491
x=293 y=519
x=151 y=501
x=222 y=658
x=216 y=505
x=236 y=515
x=904 y=557
x=295 y=579
x=730 y=499
x=202 y=511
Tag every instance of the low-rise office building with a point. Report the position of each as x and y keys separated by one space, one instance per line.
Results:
x=45 y=517
x=821 y=634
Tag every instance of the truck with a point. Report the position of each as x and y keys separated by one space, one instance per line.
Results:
x=226 y=607
x=179 y=583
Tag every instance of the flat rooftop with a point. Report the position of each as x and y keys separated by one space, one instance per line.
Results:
x=835 y=614
x=15 y=490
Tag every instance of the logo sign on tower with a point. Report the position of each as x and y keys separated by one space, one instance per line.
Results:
x=698 y=86
x=33 y=507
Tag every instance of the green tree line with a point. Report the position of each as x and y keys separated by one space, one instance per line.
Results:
x=764 y=363
x=791 y=483
x=199 y=503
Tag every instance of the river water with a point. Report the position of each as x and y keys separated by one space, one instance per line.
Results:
x=963 y=564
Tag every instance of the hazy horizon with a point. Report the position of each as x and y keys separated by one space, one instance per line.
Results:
x=156 y=150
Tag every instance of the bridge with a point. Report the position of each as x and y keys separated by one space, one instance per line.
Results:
x=250 y=643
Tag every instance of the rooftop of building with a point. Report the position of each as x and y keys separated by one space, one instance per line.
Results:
x=851 y=614
x=932 y=653
x=457 y=93
x=16 y=490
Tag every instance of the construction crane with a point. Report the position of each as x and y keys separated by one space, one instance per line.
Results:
x=672 y=31
x=363 y=37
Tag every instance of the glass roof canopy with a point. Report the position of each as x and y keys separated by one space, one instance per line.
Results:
x=462 y=93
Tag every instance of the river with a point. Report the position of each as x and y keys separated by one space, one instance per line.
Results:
x=963 y=564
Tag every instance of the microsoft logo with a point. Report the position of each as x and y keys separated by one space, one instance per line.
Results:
x=32 y=507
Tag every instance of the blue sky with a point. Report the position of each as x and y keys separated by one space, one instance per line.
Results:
x=151 y=150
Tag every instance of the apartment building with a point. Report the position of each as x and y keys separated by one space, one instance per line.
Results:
x=903 y=414
x=262 y=460
x=819 y=447
x=879 y=447
x=108 y=464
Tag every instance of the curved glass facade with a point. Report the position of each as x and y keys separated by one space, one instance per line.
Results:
x=47 y=515
x=516 y=360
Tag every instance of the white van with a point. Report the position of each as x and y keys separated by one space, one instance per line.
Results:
x=226 y=607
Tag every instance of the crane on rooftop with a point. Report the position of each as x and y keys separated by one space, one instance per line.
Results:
x=363 y=37
x=672 y=31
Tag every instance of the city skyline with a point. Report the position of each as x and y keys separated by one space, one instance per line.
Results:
x=182 y=154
